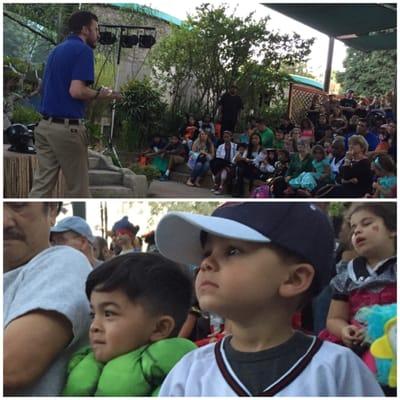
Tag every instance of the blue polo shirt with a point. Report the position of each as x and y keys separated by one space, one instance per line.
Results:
x=71 y=60
x=371 y=138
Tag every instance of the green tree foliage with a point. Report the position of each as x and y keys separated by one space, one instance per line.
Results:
x=368 y=73
x=215 y=48
x=51 y=18
x=141 y=108
x=195 y=207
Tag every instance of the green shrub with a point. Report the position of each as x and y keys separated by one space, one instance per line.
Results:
x=142 y=109
x=149 y=171
x=94 y=131
x=25 y=115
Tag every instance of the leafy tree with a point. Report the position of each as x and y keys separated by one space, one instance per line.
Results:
x=141 y=108
x=214 y=48
x=47 y=19
x=198 y=207
x=368 y=73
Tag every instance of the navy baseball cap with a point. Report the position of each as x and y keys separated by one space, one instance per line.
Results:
x=299 y=227
x=74 y=224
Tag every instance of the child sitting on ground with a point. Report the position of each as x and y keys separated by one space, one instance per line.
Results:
x=368 y=279
x=259 y=263
x=139 y=303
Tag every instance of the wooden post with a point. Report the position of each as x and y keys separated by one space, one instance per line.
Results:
x=328 y=70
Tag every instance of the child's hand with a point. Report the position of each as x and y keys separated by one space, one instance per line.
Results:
x=352 y=335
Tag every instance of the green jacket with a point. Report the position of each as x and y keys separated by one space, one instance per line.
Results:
x=267 y=138
x=138 y=373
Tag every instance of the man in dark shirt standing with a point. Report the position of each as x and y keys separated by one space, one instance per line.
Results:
x=348 y=104
x=230 y=106
x=61 y=138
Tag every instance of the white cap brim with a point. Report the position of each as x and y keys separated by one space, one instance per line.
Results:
x=178 y=235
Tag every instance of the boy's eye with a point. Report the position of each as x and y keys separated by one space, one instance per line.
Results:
x=233 y=251
x=91 y=315
x=108 y=313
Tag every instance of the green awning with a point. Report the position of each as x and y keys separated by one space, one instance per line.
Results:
x=357 y=25
x=306 y=81
x=379 y=41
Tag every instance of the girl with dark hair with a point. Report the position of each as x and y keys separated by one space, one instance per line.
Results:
x=385 y=171
x=368 y=280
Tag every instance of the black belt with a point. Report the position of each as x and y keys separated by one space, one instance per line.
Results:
x=63 y=120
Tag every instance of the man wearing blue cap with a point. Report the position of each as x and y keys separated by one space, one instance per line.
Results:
x=75 y=232
x=259 y=263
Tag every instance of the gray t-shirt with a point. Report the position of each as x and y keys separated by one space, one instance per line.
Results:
x=260 y=369
x=53 y=280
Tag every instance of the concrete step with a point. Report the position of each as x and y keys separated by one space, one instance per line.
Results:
x=94 y=163
x=100 y=163
x=182 y=177
x=111 y=191
x=172 y=189
x=102 y=177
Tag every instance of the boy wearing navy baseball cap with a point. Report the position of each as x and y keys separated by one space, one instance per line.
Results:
x=258 y=264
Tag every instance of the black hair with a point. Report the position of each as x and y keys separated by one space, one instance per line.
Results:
x=102 y=244
x=285 y=152
x=251 y=147
x=363 y=120
x=150 y=238
x=80 y=19
x=160 y=285
x=385 y=163
x=57 y=204
x=386 y=211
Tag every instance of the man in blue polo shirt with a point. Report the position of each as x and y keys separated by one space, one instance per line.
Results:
x=61 y=138
x=362 y=129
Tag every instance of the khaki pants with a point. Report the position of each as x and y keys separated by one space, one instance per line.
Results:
x=61 y=146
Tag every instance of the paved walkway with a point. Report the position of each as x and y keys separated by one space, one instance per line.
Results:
x=172 y=189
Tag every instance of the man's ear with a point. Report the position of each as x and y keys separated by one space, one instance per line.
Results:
x=299 y=279
x=52 y=213
x=164 y=325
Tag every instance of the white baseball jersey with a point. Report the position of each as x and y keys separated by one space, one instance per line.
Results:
x=326 y=369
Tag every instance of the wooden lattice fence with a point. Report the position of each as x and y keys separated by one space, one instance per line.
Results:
x=300 y=97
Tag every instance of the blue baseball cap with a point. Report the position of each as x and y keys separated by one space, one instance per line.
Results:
x=299 y=227
x=74 y=224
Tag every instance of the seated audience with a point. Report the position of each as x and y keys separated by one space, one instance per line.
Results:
x=355 y=174
x=221 y=166
x=45 y=311
x=307 y=131
x=385 y=171
x=338 y=156
x=202 y=153
x=75 y=232
x=246 y=167
x=176 y=153
x=266 y=133
x=100 y=248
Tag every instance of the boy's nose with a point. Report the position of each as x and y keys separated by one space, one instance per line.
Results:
x=208 y=264
x=94 y=326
